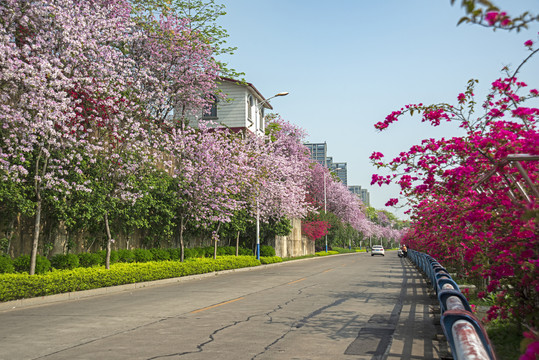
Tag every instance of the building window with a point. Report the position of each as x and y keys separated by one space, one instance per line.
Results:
x=250 y=103
x=261 y=118
x=211 y=113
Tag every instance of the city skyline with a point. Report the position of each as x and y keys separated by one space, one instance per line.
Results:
x=319 y=153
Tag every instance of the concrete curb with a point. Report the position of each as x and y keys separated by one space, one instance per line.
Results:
x=77 y=295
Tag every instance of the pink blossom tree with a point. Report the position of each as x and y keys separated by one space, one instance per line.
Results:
x=88 y=86
x=335 y=197
x=45 y=58
x=281 y=167
x=209 y=170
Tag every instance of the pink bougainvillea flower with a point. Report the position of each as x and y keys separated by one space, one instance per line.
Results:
x=491 y=17
x=528 y=43
x=392 y=202
x=532 y=352
x=376 y=156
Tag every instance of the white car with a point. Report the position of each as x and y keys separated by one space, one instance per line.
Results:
x=377 y=250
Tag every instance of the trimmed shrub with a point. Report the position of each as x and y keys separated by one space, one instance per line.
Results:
x=160 y=254
x=267 y=251
x=341 y=250
x=226 y=250
x=114 y=257
x=65 y=261
x=125 y=256
x=6 y=265
x=175 y=253
x=270 y=259
x=19 y=286
x=89 y=259
x=192 y=253
x=142 y=255
x=324 y=253
x=207 y=251
x=231 y=250
x=244 y=251
x=22 y=264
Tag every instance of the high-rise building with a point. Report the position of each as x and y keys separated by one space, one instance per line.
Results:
x=340 y=169
x=329 y=162
x=318 y=152
x=363 y=194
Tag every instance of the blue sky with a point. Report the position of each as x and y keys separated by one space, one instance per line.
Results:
x=347 y=64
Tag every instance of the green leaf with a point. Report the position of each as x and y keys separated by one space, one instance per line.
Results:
x=463 y=19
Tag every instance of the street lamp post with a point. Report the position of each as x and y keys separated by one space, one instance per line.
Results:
x=283 y=93
x=325 y=208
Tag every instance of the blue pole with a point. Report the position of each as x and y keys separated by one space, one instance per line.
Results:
x=257 y=231
x=326 y=243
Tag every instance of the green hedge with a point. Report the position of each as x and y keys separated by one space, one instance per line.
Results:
x=65 y=261
x=20 y=286
x=267 y=251
x=89 y=259
x=22 y=264
x=72 y=261
x=324 y=253
x=341 y=250
x=6 y=265
x=160 y=254
x=143 y=255
x=270 y=259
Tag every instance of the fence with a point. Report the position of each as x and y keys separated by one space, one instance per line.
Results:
x=464 y=332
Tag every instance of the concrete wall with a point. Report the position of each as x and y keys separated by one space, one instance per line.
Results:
x=54 y=240
x=294 y=244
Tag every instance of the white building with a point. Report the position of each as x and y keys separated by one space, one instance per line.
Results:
x=241 y=110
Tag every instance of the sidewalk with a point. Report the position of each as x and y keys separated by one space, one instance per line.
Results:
x=418 y=334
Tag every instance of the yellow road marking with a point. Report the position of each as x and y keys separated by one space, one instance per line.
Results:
x=216 y=305
x=328 y=270
x=295 y=281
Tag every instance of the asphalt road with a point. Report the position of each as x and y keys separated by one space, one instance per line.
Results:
x=336 y=307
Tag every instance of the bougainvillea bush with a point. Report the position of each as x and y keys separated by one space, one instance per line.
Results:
x=315 y=229
x=474 y=200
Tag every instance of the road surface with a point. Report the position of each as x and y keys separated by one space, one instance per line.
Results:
x=335 y=307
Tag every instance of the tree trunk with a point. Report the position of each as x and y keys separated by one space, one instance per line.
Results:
x=109 y=241
x=9 y=234
x=37 y=219
x=37 y=225
x=215 y=241
x=182 y=248
x=237 y=243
